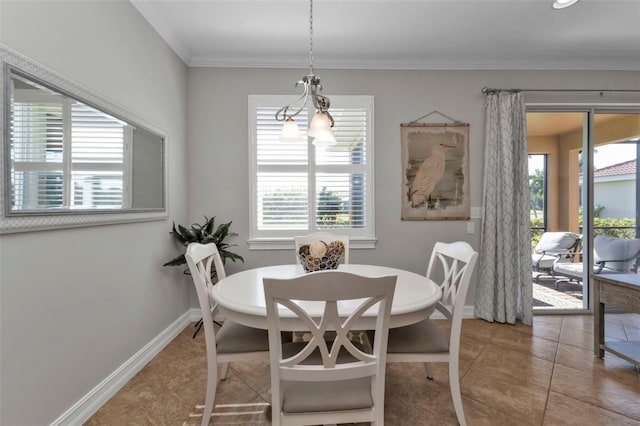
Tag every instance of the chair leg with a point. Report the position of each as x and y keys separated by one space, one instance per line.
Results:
x=454 y=382
x=429 y=367
x=225 y=369
x=212 y=382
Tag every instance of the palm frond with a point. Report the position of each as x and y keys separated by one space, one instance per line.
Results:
x=178 y=235
x=178 y=260
x=204 y=234
x=225 y=254
x=222 y=232
x=209 y=223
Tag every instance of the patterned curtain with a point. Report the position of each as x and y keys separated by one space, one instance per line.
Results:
x=504 y=292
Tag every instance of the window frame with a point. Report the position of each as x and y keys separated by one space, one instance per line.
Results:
x=283 y=239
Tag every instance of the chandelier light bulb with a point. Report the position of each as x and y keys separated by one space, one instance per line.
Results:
x=320 y=124
x=290 y=131
x=325 y=138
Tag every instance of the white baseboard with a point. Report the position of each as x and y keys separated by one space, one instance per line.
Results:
x=99 y=395
x=468 y=313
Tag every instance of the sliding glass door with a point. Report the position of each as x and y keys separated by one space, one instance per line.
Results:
x=591 y=188
x=615 y=236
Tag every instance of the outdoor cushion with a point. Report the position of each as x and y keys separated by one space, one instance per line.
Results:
x=575 y=270
x=550 y=245
x=556 y=242
x=608 y=250
x=625 y=250
x=542 y=261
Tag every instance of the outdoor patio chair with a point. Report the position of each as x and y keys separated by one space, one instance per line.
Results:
x=610 y=256
x=554 y=247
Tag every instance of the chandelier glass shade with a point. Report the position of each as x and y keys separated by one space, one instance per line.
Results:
x=320 y=129
x=562 y=4
x=290 y=131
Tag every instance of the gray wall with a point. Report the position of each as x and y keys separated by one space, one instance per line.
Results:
x=218 y=136
x=77 y=303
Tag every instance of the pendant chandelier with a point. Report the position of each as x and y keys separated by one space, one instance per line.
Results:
x=320 y=129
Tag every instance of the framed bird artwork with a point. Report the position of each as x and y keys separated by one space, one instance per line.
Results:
x=435 y=171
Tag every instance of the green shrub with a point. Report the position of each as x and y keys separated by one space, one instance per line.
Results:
x=618 y=228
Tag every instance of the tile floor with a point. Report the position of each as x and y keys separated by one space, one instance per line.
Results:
x=510 y=375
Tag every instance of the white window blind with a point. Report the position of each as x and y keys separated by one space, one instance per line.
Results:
x=299 y=188
x=65 y=153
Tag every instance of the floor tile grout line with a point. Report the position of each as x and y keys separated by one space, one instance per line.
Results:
x=584 y=401
x=553 y=369
x=484 y=347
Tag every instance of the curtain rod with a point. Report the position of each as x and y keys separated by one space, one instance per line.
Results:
x=486 y=90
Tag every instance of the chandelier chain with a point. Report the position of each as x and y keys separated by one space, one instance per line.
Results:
x=322 y=122
x=311 y=36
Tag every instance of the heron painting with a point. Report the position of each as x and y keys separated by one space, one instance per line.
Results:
x=435 y=171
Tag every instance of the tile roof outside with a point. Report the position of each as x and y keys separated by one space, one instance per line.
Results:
x=628 y=167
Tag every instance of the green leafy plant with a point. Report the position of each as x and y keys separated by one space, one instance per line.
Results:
x=204 y=234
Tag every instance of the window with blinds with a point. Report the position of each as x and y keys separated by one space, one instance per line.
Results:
x=299 y=188
x=65 y=153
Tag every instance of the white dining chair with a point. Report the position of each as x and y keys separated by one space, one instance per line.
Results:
x=424 y=341
x=233 y=342
x=320 y=381
x=327 y=237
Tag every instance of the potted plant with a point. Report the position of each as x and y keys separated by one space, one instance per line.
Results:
x=204 y=233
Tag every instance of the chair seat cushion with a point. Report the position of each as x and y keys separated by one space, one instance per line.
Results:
x=299 y=397
x=353 y=394
x=575 y=270
x=421 y=337
x=543 y=261
x=236 y=338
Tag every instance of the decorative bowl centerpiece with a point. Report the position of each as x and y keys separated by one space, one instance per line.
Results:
x=320 y=256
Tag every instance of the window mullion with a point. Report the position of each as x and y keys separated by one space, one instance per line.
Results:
x=67 y=181
x=311 y=169
x=127 y=167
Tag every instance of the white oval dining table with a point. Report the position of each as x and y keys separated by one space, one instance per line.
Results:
x=240 y=296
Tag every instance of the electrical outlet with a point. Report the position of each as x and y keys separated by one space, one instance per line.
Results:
x=471 y=227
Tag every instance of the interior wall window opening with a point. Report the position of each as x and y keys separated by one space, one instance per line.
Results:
x=298 y=187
